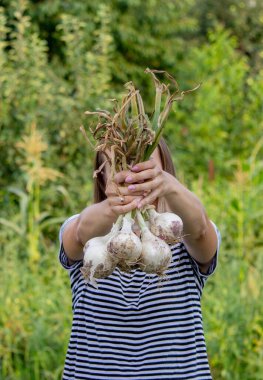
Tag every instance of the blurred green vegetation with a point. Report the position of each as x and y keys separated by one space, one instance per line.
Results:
x=61 y=58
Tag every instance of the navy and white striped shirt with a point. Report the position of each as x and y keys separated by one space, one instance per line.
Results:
x=136 y=327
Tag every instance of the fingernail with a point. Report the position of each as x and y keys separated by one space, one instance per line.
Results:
x=139 y=204
x=128 y=179
x=134 y=168
x=131 y=187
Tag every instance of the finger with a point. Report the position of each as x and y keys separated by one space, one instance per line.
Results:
x=126 y=208
x=146 y=192
x=148 y=200
x=143 y=175
x=150 y=164
x=111 y=189
x=141 y=187
x=121 y=190
x=123 y=200
x=120 y=177
x=126 y=191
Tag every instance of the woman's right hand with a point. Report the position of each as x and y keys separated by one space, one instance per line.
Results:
x=120 y=204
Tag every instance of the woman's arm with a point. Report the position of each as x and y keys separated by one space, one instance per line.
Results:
x=200 y=236
x=93 y=221
x=96 y=220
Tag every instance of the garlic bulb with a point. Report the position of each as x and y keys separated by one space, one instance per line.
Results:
x=167 y=226
x=156 y=254
x=125 y=246
x=97 y=262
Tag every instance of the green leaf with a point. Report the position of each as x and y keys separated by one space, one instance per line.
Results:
x=12 y=225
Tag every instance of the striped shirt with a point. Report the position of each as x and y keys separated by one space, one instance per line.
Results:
x=135 y=327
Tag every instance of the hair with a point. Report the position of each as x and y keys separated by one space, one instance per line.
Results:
x=100 y=182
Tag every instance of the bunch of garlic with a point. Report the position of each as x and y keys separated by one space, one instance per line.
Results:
x=124 y=249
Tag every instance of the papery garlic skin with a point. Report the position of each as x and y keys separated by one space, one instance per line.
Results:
x=156 y=253
x=126 y=247
x=97 y=263
x=167 y=226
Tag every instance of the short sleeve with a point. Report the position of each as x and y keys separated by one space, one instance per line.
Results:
x=204 y=276
x=63 y=259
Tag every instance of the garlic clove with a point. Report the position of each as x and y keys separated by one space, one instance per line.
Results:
x=156 y=254
x=125 y=246
x=167 y=226
x=97 y=263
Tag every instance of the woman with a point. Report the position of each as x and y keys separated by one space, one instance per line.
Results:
x=131 y=327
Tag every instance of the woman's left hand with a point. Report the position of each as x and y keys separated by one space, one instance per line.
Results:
x=147 y=178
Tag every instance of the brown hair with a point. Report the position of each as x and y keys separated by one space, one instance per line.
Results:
x=99 y=181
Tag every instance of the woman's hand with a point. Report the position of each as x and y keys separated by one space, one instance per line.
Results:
x=118 y=202
x=147 y=179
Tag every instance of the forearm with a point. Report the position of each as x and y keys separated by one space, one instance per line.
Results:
x=95 y=220
x=184 y=203
x=199 y=234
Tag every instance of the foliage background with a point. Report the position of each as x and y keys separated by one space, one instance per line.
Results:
x=60 y=58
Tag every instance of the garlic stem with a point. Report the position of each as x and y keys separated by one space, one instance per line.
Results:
x=141 y=221
x=125 y=246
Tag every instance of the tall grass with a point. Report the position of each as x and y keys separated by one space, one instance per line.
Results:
x=35 y=318
x=232 y=302
x=35 y=301
x=33 y=290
